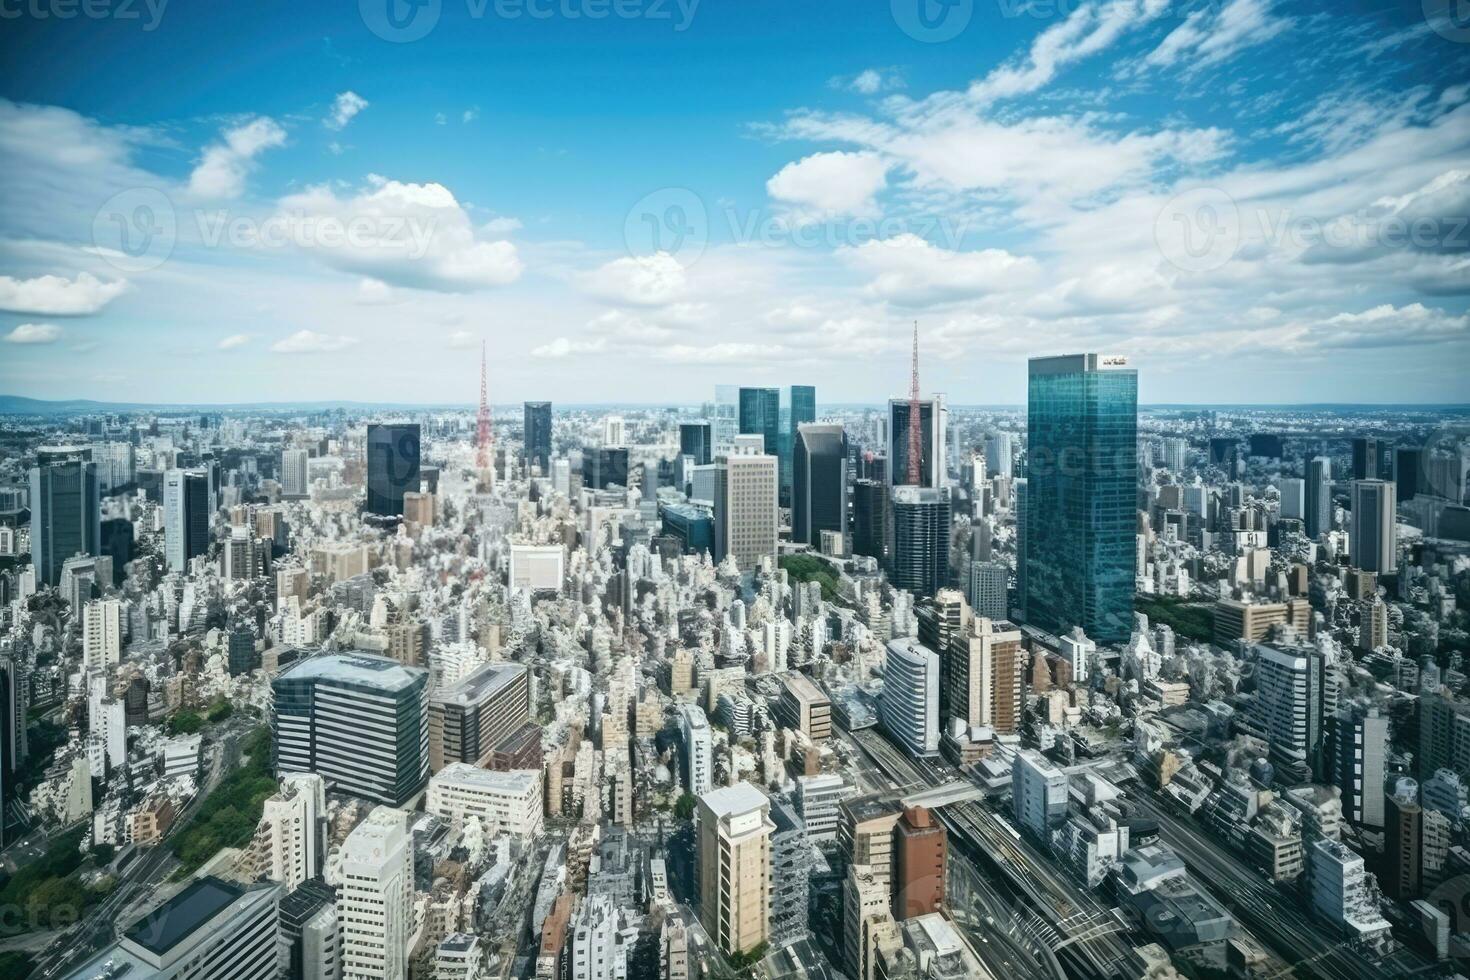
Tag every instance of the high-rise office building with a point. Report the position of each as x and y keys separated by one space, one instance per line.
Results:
x=819 y=488
x=798 y=407
x=920 y=852
x=746 y=519
x=213 y=928
x=908 y=708
x=1081 y=490
x=760 y=414
x=998 y=454
x=66 y=515
x=1294 y=498
x=1318 y=512
x=699 y=765
x=538 y=436
x=614 y=432
x=1362 y=741
x=985 y=663
x=932 y=434
x=291 y=836
x=1367 y=459
x=696 y=439
x=872 y=520
x=295 y=472
x=359 y=721
x=186 y=513
x=1176 y=454
x=726 y=421
x=604 y=466
x=988 y=594
x=375 y=902
x=921 y=525
x=468 y=719
x=1295 y=705
x=1408 y=472
x=1038 y=793
x=392 y=466
x=101 y=634
x=734 y=833
x=1373 y=542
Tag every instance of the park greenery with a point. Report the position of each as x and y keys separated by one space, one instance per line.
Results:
x=809 y=568
x=1189 y=621
x=228 y=817
x=48 y=893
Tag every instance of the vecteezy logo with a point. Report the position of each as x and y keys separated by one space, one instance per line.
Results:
x=932 y=21
x=400 y=21
x=136 y=229
x=1198 y=230
x=1450 y=19
x=672 y=220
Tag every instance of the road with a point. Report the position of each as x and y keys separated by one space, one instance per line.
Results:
x=1066 y=918
x=142 y=878
x=1282 y=921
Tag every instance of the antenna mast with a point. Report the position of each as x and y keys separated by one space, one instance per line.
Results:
x=916 y=430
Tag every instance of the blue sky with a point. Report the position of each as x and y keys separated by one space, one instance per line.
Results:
x=1256 y=201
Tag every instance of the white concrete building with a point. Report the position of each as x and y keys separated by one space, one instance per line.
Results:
x=375 y=902
x=909 y=706
x=509 y=802
x=101 y=634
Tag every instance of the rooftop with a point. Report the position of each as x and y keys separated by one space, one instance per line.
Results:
x=366 y=669
x=464 y=774
x=180 y=916
x=730 y=801
x=481 y=683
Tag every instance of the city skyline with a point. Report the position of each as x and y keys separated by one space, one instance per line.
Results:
x=1024 y=187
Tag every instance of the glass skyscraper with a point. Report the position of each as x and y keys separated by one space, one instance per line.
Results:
x=538 y=435
x=1081 y=495
x=819 y=499
x=66 y=515
x=798 y=407
x=760 y=414
x=392 y=467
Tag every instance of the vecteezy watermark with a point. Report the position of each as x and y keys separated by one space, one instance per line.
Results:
x=1198 y=230
x=138 y=229
x=675 y=220
x=1202 y=229
x=1442 y=461
x=932 y=21
x=148 y=12
x=1450 y=19
x=402 y=21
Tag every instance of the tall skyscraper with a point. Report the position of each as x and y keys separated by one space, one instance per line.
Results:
x=932 y=435
x=295 y=481
x=538 y=436
x=1367 y=459
x=1373 y=540
x=921 y=524
x=291 y=834
x=872 y=520
x=798 y=407
x=359 y=721
x=1318 y=515
x=1294 y=498
x=1081 y=491
x=726 y=422
x=745 y=508
x=186 y=513
x=1408 y=472
x=375 y=903
x=696 y=439
x=819 y=498
x=1295 y=706
x=760 y=414
x=66 y=515
x=998 y=454
x=1362 y=742
x=604 y=466
x=735 y=829
x=469 y=718
x=985 y=676
x=392 y=466
x=909 y=706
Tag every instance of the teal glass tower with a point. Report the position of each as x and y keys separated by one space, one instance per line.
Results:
x=798 y=408
x=1081 y=495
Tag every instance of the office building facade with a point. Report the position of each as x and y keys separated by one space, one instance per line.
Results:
x=908 y=708
x=734 y=835
x=186 y=513
x=1081 y=490
x=819 y=487
x=921 y=526
x=65 y=515
x=392 y=467
x=537 y=436
x=1373 y=541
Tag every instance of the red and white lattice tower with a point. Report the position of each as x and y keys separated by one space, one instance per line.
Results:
x=916 y=430
x=483 y=433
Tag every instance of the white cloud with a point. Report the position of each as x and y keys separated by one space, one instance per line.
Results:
x=57 y=295
x=403 y=234
x=908 y=269
x=440 y=119
x=470 y=114
x=501 y=226
x=464 y=340
x=34 y=333
x=1211 y=35
x=311 y=342
x=563 y=347
x=234 y=341
x=644 y=280
x=224 y=166
x=1089 y=29
x=372 y=292
x=831 y=183
x=344 y=108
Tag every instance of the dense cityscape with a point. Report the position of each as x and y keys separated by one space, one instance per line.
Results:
x=734 y=490
x=752 y=688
